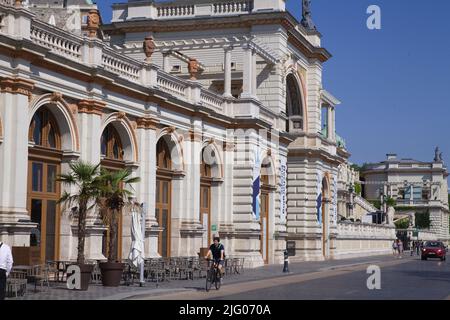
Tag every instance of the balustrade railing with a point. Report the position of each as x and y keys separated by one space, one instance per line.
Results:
x=119 y=64
x=56 y=40
x=171 y=11
x=232 y=7
x=171 y=84
x=212 y=100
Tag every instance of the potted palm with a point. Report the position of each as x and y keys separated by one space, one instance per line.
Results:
x=84 y=178
x=115 y=196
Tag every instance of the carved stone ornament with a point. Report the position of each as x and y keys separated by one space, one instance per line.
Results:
x=93 y=23
x=149 y=47
x=193 y=67
x=56 y=97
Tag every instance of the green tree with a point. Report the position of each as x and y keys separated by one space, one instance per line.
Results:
x=116 y=196
x=402 y=223
x=85 y=179
x=422 y=220
x=358 y=188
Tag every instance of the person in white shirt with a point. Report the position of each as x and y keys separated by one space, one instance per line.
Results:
x=6 y=263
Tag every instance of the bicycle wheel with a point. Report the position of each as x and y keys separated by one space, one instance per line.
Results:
x=217 y=279
x=209 y=280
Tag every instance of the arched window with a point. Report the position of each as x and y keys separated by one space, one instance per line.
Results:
x=163 y=160
x=205 y=167
x=44 y=131
x=111 y=146
x=294 y=105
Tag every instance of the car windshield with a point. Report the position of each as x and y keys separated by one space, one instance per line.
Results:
x=433 y=244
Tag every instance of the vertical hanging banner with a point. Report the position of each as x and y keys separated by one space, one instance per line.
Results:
x=319 y=196
x=335 y=198
x=256 y=184
x=283 y=191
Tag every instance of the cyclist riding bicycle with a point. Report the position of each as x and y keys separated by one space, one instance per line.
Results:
x=217 y=251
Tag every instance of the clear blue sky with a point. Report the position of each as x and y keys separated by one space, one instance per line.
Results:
x=394 y=83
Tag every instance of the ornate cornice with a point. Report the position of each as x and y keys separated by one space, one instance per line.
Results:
x=91 y=107
x=147 y=123
x=17 y=86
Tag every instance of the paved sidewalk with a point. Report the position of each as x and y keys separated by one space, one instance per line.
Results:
x=98 y=292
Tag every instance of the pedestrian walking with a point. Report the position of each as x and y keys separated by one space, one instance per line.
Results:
x=400 y=248
x=6 y=263
x=394 y=247
x=412 y=247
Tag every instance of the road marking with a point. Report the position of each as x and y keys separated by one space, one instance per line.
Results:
x=349 y=265
x=238 y=288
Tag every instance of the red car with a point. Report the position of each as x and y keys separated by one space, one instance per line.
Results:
x=434 y=249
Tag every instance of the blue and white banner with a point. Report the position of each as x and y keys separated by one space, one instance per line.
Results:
x=256 y=184
x=319 y=196
x=335 y=200
x=283 y=191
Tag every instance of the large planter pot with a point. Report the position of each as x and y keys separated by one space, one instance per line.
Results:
x=86 y=271
x=111 y=273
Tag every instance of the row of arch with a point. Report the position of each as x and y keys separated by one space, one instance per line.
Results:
x=50 y=134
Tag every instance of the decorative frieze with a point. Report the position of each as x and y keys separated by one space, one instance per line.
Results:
x=17 y=86
x=147 y=123
x=91 y=107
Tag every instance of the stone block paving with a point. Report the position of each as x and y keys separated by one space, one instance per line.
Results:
x=98 y=292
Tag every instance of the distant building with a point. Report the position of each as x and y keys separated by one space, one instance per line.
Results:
x=415 y=185
x=69 y=15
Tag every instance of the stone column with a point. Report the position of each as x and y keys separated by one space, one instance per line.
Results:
x=190 y=229
x=254 y=75
x=166 y=61
x=227 y=72
x=330 y=126
x=146 y=189
x=14 y=112
x=248 y=72
x=90 y=125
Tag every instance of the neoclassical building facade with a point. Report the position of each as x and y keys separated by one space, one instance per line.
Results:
x=219 y=108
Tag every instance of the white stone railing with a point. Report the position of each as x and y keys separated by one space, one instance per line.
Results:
x=363 y=203
x=58 y=41
x=232 y=7
x=97 y=54
x=175 y=11
x=427 y=235
x=211 y=100
x=364 y=231
x=172 y=85
x=120 y=64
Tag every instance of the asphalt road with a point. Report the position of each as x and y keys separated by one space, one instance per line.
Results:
x=416 y=279
x=407 y=278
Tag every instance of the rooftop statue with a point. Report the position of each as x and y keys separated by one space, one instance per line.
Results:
x=306 y=16
x=437 y=155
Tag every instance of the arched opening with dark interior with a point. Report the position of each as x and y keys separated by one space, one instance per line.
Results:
x=112 y=159
x=44 y=165
x=294 y=105
x=164 y=176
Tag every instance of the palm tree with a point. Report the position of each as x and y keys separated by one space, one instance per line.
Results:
x=86 y=180
x=116 y=196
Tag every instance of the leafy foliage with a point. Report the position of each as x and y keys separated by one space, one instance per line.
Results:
x=115 y=196
x=86 y=180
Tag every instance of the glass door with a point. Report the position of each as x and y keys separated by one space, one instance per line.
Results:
x=205 y=213
x=162 y=214
x=42 y=205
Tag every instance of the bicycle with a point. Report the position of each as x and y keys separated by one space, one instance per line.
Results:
x=213 y=275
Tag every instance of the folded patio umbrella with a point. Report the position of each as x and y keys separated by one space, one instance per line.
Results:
x=137 y=243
